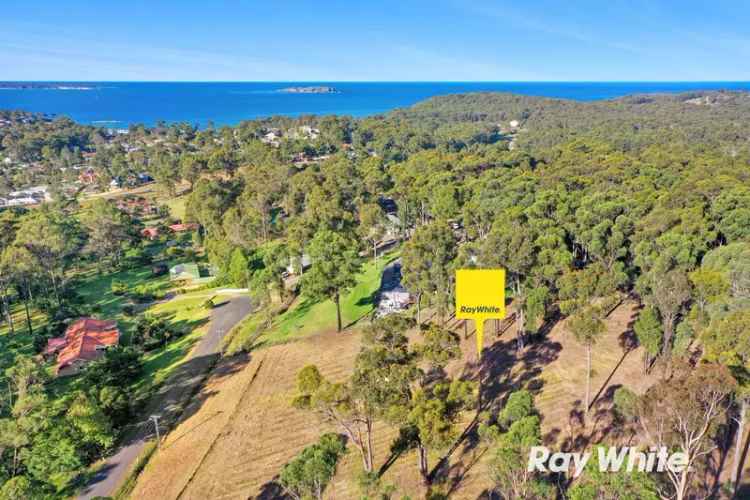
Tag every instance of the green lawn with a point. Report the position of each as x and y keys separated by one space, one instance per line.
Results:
x=242 y=335
x=96 y=290
x=18 y=342
x=186 y=313
x=306 y=317
x=176 y=206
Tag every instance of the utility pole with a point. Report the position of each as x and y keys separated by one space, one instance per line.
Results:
x=155 y=419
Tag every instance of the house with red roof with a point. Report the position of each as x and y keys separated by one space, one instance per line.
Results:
x=150 y=233
x=181 y=228
x=85 y=340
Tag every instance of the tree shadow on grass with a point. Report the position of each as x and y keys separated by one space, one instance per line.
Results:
x=221 y=369
x=178 y=398
x=502 y=369
x=501 y=359
x=367 y=301
x=272 y=490
x=299 y=312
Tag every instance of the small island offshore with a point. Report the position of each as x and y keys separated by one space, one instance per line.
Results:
x=47 y=85
x=310 y=90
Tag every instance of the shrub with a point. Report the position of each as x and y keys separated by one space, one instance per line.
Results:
x=520 y=404
x=626 y=403
x=119 y=287
x=119 y=367
x=40 y=341
x=152 y=332
x=18 y=488
x=175 y=252
x=139 y=257
x=142 y=294
x=308 y=474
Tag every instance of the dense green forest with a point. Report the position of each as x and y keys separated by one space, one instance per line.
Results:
x=582 y=203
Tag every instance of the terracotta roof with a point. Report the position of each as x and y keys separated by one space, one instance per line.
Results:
x=84 y=340
x=55 y=344
x=177 y=228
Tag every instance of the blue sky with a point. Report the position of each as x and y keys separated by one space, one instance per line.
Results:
x=458 y=40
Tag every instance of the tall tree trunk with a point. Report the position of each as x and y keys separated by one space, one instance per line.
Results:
x=682 y=486
x=28 y=316
x=521 y=329
x=668 y=331
x=422 y=458
x=738 y=446
x=666 y=353
x=55 y=288
x=419 y=304
x=588 y=377
x=337 y=300
x=8 y=313
x=370 y=458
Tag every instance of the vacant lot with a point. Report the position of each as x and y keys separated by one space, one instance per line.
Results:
x=241 y=430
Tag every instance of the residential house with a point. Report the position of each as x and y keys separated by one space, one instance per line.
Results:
x=85 y=340
x=393 y=301
x=185 y=272
x=87 y=176
x=298 y=264
x=272 y=137
x=183 y=227
x=150 y=233
x=19 y=202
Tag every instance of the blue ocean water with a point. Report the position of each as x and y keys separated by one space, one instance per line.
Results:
x=117 y=104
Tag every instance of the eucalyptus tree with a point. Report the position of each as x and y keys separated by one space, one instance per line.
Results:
x=587 y=327
x=108 y=231
x=727 y=341
x=19 y=267
x=427 y=265
x=648 y=330
x=669 y=294
x=378 y=389
x=373 y=225
x=434 y=414
x=684 y=413
x=53 y=239
x=334 y=264
x=511 y=245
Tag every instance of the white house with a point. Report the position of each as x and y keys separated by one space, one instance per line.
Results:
x=298 y=264
x=17 y=202
x=272 y=137
x=393 y=301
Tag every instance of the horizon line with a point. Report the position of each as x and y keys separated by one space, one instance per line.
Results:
x=379 y=81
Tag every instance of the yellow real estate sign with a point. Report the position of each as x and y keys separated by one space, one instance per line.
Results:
x=480 y=295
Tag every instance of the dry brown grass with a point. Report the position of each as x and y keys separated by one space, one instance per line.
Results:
x=242 y=429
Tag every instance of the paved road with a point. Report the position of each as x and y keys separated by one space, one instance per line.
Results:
x=168 y=401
